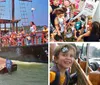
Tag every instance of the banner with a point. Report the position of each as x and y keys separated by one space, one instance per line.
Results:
x=90 y=8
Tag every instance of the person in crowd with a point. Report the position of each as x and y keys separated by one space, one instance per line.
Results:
x=77 y=4
x=45 y=34
x=93 y=34
x=67 y=5
x=28 y=39
x=19 y=43
x=32 y=31
x=78 y=26
x=45 y=29
x=32 y=28
x=13 y=39
x=60 y=23
x=55 y=4
x=21 y=37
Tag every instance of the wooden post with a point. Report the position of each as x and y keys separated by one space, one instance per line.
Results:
x=5 y=26
x=13 y=12
x=87 y=54
x=43 y=37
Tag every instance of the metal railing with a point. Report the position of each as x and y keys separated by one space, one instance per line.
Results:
x=27 y=39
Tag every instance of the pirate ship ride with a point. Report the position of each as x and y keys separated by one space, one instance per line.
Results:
x=86 y=75
x=37 y=52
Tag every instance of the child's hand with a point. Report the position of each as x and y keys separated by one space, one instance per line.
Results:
x=59 y=33
x=75 y=37
x=79 y=38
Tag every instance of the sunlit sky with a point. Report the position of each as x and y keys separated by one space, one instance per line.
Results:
x=95 y=44
x=40 y=13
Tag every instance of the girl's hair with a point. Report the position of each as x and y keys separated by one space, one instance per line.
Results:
x=95 y=28
x=59 y=11
x=32 y=23
x=59 y=48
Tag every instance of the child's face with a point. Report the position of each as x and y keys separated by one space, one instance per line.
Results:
x=65 y=60
x=30 y=23
x=61 y=15
x=66 y=3
x=56 y=2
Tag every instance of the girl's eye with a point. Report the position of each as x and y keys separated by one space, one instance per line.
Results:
x=71 y=56
x=65 y=55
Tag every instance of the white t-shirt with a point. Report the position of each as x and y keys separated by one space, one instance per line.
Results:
x=32 y=29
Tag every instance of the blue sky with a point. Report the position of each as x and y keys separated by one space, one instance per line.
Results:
x=40 y=13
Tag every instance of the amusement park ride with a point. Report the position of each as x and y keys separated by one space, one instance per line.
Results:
x=87 y=73
x=14 y=21
x=33 y=53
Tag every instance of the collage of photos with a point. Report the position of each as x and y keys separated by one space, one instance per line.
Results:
x=23 y=42
x=49 y=42
x=74 y=42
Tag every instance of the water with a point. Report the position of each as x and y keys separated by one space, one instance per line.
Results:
x=26 y=74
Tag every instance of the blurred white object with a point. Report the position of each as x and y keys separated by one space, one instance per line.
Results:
x=32 y=9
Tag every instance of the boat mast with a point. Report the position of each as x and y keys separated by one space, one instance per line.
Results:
x=87 y=55
x=13 y=13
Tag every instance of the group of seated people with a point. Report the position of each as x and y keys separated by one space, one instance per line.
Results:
x=63 y=26
x=23 y=38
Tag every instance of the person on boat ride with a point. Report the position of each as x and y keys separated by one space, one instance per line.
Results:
x=93 y=34
x=60 y=23
x=45 y=33
x=28 y=39
x=19 y=40
x=33 y=28
x=22 y=34
x=67 y=5
x=13 y=39
x=9 y=65
x=45 y=29
x=55 y=4
x=63 y=60
x=20 y=37
x=33 y=31
x=78 y=26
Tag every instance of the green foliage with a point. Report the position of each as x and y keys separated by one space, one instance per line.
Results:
x=26 y=28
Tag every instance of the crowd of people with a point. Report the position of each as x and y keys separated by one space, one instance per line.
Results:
x=23 y=38
x=63 y=26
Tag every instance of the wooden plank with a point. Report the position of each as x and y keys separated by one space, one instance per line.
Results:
x=82 y=78
x=95 y=77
